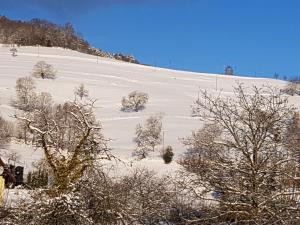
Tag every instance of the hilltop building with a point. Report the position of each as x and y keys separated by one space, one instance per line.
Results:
x=229 y=71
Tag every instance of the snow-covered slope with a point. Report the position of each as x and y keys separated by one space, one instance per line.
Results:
x=170 y=93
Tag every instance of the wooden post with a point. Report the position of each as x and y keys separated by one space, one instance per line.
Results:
x=2 y=187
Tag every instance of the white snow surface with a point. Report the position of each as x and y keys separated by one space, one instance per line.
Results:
x=170 y=92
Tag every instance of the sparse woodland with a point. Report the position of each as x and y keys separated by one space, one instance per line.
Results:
x=45 y=33
x=135 y=101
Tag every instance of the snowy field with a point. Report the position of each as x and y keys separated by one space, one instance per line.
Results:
x=171 y=93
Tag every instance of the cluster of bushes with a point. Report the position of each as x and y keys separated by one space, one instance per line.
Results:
x=139 y=198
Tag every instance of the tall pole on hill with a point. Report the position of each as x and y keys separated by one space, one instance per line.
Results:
x=163 y=140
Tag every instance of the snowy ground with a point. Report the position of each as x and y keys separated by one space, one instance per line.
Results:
x=170 y=93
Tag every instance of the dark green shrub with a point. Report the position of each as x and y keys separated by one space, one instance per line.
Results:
x=37 y=179
x=168 y=155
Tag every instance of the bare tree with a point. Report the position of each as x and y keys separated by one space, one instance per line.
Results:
x=6 y=131
x=292 y=88
x=135 y=101
x=43 y=70
x=21 y=131
x=292 y=142
x=25 y=94
x=81 y=91
x=240 y=156
x=148 y=136
x=70 y=137
x=276 y=76
x=43 y=102
x=29 y=101
x=13 y=51
x=293 y=135
x=39 y=102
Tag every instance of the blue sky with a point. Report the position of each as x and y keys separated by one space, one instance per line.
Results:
x=256 y=37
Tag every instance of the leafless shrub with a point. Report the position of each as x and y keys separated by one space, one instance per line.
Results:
x=66 y=209
x=43 y=70
x=135 y=101
x=141 y=197
x=81 y=92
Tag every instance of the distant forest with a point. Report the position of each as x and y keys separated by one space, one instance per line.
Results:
x=45 y=33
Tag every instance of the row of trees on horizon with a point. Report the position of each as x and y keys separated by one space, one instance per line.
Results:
x=45 y=33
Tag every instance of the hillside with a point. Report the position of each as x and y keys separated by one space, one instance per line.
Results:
x=171 y=94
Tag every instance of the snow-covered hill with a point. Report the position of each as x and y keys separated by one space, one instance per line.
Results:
x=170 y=93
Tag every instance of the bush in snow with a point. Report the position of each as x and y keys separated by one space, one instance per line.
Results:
x=37 y=179
x=64 y=209
x=81 y=92
x=13 y=51
x=135 y=101
x=43 y=70
x=168 y=155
